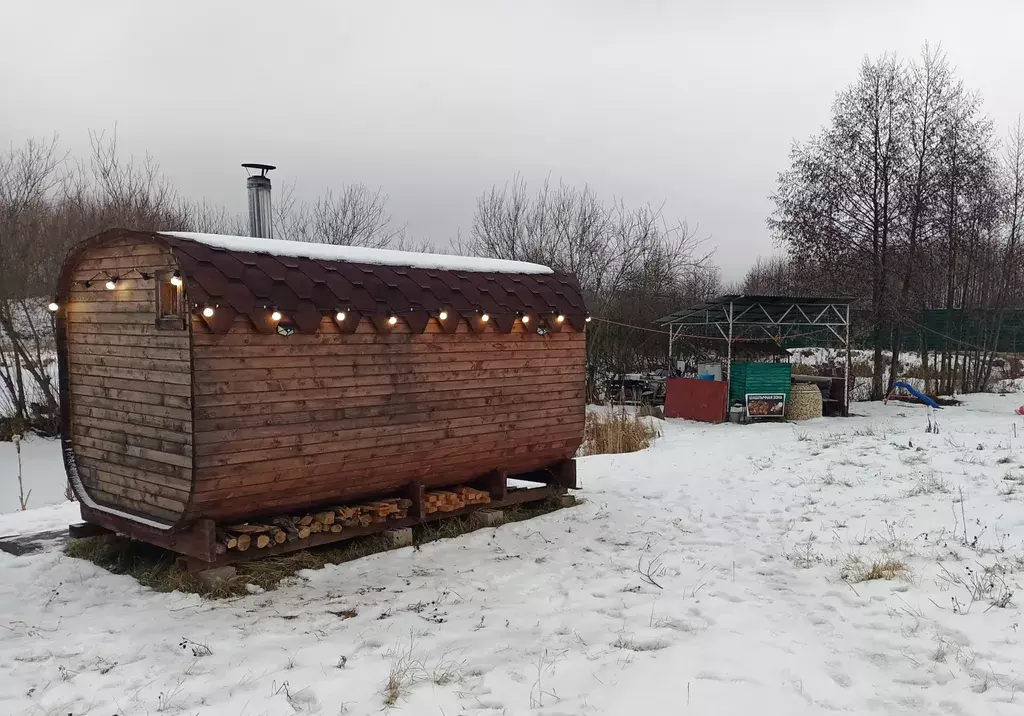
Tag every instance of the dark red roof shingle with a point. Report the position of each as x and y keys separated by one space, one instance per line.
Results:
x=251 y=282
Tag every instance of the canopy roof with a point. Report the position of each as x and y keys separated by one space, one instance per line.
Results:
x=746 y=309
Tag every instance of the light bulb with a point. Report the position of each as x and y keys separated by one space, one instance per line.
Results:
x=340 y=316
x=53 y=306
x=588 y=319
x=111 y=284
x=443 y=315
x=175 y=280
x=208 y=311
x=276 y=316
x=393 y=320
x=560 y=318
x=485 y=318
x=526 y=319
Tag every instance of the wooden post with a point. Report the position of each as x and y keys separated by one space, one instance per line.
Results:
x=564 y=474
x=415 y=493
x=496 y=484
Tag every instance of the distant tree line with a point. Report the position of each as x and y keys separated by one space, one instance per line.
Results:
x=910 y=200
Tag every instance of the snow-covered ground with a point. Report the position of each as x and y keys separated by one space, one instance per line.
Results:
x=715 y=573
x=42 y=473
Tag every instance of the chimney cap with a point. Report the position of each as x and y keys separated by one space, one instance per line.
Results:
x=263 y=168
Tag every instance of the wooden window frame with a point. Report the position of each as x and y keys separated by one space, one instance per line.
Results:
x=169 y=321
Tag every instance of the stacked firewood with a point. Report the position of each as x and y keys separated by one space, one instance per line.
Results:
x=279 y=530
x=450 y=500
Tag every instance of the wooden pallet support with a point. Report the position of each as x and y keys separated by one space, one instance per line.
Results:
x=201 y=549
x=514 y=496
x=83 y=530
x=198 y=541
x=495 y=483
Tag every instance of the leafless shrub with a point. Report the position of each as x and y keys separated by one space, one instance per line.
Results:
x=22 y=495
x=198 y=649
x=981 y=583
x=651 y=570
x=167 y=700
x=804 y=555
x=830 y=480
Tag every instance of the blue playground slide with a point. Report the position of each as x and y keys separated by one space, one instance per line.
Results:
x=916 y=393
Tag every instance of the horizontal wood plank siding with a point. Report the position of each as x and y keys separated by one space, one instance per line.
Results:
x=129 y=384
x=287 y=422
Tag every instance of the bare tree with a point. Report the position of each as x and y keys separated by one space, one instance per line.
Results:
x=1012 y=209
x=901 y=198
x=47 y=203
x=632 y=265
x=29 y=176
x=353 y=216
x=930 y=92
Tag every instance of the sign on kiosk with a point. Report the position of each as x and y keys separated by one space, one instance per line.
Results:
x=765 y=405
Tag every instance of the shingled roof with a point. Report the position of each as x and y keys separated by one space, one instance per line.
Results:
x=307 y=287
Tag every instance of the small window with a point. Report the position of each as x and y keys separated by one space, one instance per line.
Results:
x=170 y=315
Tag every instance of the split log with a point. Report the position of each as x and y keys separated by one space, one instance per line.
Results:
x=306 y=521
x=229 y=541
x=288 y=526
x=262 y=541
x=316 y=528
x=280 y=537
x=303 y=532
x=248 y=529
x=335 y=528
x=324 y=518
x=243 y=542
x=345 y=513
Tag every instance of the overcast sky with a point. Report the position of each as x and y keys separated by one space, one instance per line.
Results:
x=690 y=103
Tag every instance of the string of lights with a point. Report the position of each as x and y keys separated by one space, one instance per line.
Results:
x=208 y=310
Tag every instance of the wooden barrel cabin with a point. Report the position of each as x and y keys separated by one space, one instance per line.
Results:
x=216 y=384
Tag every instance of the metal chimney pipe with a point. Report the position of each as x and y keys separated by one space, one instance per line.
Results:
x=258 y=185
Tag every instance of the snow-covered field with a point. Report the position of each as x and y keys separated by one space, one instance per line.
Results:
x=715 y=573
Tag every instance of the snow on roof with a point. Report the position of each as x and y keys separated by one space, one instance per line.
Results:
x=362 y=255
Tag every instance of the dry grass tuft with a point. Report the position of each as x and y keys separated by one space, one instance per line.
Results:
x=611 y=432
x=929 y=484
x=407 y=670
x=155 y=568
x=887 y=567
x=402 y=674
